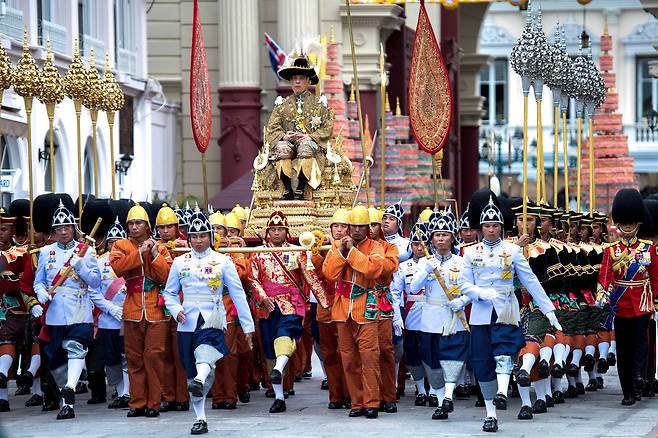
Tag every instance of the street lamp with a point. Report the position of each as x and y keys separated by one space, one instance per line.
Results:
x=44 y=154
x=123 y=164
x=652 y=119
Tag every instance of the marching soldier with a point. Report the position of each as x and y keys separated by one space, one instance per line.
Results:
x=202 y=275
x=144 y=264
x=67 y=278
x=392 y=228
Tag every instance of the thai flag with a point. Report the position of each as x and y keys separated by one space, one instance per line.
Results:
x=277 y=55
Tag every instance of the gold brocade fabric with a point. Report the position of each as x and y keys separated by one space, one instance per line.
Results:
x=430 y=96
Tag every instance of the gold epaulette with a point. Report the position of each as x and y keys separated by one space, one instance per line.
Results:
x=557 y=244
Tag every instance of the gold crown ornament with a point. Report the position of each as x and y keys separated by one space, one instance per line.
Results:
x=166 y=216
x=27 y=78
x=6 y=70
x=51 y=91
x=93 y=98
x=75 y=80
x=113 y=99
x=425 y=215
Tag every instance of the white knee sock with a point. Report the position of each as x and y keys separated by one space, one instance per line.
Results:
x=613 y=347
x=5 y=363
x=528 y=362
x=524 y=392
x=36 y=386
x=281 y=362
x=579 y=377
x=440 y=394
x=278 y=391
x=420 y=386
x=4 y=394
x=571 y=380
x=575 y=356
x=397 y=373
x=503 y=383
x=559 y=353
x=450 y=389
x=324 y=372
x=556 y=383
x=603 y=349
x=591 y=375
x=125 y=389
x=202 y=372
x=491 y=409
x=432 y=391
x=545 y=354
x=199 y=406
x=35 y=363
x=589 y=349
x=73 y=373
x=540 y=389
x=462 y=377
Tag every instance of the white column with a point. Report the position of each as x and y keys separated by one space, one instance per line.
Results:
x=297 y=19
x=240 y=43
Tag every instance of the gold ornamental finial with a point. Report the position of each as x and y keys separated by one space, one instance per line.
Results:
x=51 y=91
x=332 y=35
x=113 y=98
x=605 y=26
x=398 y=111
x=352 y=98
x=75 y=80
x=388 y=104
x=6 y=70
x=27 y=80
x=93 y=98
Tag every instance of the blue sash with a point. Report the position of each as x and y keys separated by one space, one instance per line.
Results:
x=619 y=292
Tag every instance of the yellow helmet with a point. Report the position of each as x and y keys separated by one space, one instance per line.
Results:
x=341 y=216
x=166 y=216
x=217 y=218
x=359 y=216
x=239 y=212
x=232 y=220
x=375 y=215
x=425 y=215
x=138 y=213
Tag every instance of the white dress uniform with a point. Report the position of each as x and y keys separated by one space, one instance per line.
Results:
x=108 y=277
x=404 y=297
x=404 y=250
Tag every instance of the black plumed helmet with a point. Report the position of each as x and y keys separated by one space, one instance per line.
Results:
x=43 y=209
x=479 y=200
x=20 y=209
x=120 y=208
x=94 y=209
x=628 y=208
x=650 y=227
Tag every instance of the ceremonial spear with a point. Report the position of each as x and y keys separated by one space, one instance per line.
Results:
x=582 y=92
x=6 y=78
x=92 y=100
x=113 y=101
x=570 y=86
x=595 y=99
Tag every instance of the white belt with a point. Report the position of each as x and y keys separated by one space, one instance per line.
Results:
x=69 y=290
x=201 y=298
x=428 y=300
x=419 y=298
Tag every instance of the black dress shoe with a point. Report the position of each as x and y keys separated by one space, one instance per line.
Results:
x=462 y=392
x=490 y=424
x=592 y=386
x=638 y=384
x=196 y=388
x=573 y=370
x=298 y=196
x=199 y=428
x=324 y=385
x=638 y=396
x=557 y=371
x=439 y=414
x=278 y=406
x=182 y=406
x=136 y=412
x=543 y=369
x=290 y=392
x=23 y=390
x=307 y=375
x=119 y=402
x=628 y=401
x=580 y=388
x=50 y=406
x=244 y=397
x=602 y=366
x=167 y=406
x=549 y=401
x=525 y=413
x=539 y=407
x=3 y=381
x=421 y=400
x=357 y=413
x=151 y=413
x=287 y=195
x=390 y=408
x=225 y=405
x=81 y=388
x=399 y=393
x=269 y=393
x=514 y=389
x=523 y=378
x=347 y=403
x=479 y=403
x=433 y=401
x=335 y=405
x=500 y=401
x=254 y=387
x=275 y=377
x=371 y=413
x=68 y=395
x=25 y=379
x=4 y=405
x=648 y=391
x=599 y=382
x=612 y=359
x=588 y=362
x=66 y=413
x=558 y=397
x=35 y=400
x=571 y=392
x=447 y=405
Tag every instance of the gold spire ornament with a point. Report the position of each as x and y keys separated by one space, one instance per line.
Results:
x=92 y=100
x=113 y=101
x=6 y=77
x=27 y=82
x=50 y=94
x=75 y=87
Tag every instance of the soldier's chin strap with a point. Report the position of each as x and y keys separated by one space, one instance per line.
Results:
x=629 y=237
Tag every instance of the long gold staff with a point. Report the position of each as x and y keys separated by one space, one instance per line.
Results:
x=75 y=87
x=92 y=100
x=50 y=94
x=27 y=82
x=565 y=148
x=382 y=91
x=6 y=78
x=366 y=174
x=113 y=101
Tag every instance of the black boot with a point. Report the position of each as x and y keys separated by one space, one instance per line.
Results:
x=66 y=413
x=523 y=378
x=558 y=397
x=440 y=414
x=602 y=366
x=447 y=405
x=592 y=386
x=421 y=400
x=490 y=424
x=433 y=401
x=287 y=188
x=539 y=407
x=543 y=369
x=301 y=185
x=199 y=427
x=278 y=406
x=525 y=413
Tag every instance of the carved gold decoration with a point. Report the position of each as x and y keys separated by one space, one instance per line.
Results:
x=113 y=101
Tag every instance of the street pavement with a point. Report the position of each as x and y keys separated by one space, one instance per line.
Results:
x=596 y=414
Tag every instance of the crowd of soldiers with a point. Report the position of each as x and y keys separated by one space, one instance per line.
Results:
x=135 y=296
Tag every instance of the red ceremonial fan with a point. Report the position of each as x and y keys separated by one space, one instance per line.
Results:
x=429 y=94
x=200 y=97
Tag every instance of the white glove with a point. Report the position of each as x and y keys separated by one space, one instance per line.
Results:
x=488 y=294
x=398 y=326
x=43 y=296
x=76 y=261
x=457 y=304
x=431 y=265
x=601 y=301
x=36 y=311
x=116 y=312
x=553 y=320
